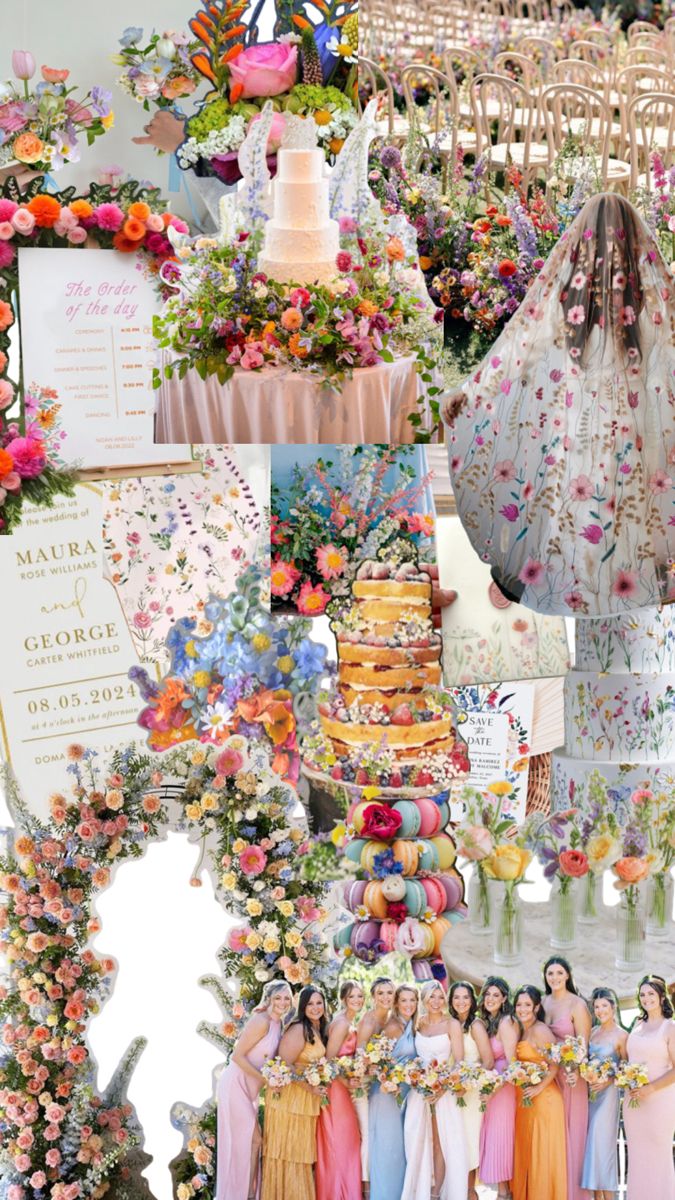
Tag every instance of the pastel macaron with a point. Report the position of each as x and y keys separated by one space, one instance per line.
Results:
x=445 y=848
x=410 y=817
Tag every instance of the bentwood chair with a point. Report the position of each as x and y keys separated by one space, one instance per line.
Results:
x=437 y=122
x=506 y=119
x=375 y=82
x=651 y=127
x=570 y=109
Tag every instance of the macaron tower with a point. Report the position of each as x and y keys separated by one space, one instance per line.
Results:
x=387 y=723
x=411 y=893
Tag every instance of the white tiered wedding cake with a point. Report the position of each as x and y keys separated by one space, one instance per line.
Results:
x=619 y=706
x=301 y=240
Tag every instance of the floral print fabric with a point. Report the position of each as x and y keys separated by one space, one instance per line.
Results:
x=171 y=541
x=563 y=462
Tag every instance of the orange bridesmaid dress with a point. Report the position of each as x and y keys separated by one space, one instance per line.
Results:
x=539 y=1159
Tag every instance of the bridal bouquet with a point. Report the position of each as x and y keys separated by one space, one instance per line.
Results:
x=277 y=1075
x=430 y=1079
x=39 y=128
x=524 y=1075
x=632 y=1076
x=597 y=1071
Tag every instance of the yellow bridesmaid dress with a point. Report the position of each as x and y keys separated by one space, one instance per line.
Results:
x=289 y=1142
x=539 y=1159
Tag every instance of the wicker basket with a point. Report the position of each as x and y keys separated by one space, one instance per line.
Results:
x=539 y=784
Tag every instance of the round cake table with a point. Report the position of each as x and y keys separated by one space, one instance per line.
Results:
x=276 y=405
x=469 y=957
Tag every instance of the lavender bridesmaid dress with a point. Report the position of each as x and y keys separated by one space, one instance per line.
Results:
x=237 y=1099
x=575 y=1100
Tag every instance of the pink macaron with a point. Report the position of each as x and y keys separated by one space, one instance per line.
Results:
x=435 y=893
x=430 y=817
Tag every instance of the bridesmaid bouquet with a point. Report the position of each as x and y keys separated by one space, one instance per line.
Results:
x=391 y=1077
x=597 y=1071
x=319 y=1074
x=482 y=1080
x=523 y=1075
x=355 y=1068
x=277 y=1075
x=632 y=1076
x=570 y=1053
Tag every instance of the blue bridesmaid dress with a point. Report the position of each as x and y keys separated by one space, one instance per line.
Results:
x=600 y=1171
x=385 y=1130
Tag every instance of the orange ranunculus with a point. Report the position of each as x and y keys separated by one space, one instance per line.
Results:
x=295 y=347
x=395 y=250
x=52 y=75
x=6 y=463
x=28 y=148
x=45 y=209
x=367 y=309
x=631 y=869
x=133 y=229
x=80 y=208
x=6 y=315
x=573 y=863
x=180 y=85
x=124 y=244
x=140 y=210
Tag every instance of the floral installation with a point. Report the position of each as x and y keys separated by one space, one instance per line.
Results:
x=39 y=127
x=658 y=206
x=246 y=674
x=307 y=70
x=339 y=513
x=160 y=569
x=159 y=71
x=31 y=468
x=228 y=314
x=195 y=1169
x=631 y=1076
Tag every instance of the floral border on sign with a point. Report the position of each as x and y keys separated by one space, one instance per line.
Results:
x=129 y=219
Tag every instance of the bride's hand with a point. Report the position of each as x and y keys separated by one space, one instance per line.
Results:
x=165 y=132
x=452 y=407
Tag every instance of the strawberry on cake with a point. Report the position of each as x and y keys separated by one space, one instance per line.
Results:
x=388 y=722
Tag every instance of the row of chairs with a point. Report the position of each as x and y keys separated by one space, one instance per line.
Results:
x=511 y=122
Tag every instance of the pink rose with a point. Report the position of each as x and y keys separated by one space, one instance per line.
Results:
x=474 y=842
x=265 y=70
x=7 y=209
x=23 y=221
x=6 y=394
x=276 y=130
x=28 y=455
x=77 y=236
x=154 y=223
x=7 y=231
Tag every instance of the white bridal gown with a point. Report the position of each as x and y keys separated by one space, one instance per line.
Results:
x=418 y=1135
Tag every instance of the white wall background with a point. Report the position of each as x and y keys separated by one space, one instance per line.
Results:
x=63 y=33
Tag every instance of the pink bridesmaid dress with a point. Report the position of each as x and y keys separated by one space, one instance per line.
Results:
x=575 y=1100
x=650 y=1126
x=498 y=1129
x=237 y=1100
x=338 y=1161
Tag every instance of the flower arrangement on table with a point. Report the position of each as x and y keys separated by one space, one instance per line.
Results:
x=159 y=71
x=229 y=315
x=248 y=825
x=339 y=513
x=246 y=674
x=39 y=128
x=308 y=70
x=484 y=826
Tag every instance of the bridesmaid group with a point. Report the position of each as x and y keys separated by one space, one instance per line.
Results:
x=549 y=1141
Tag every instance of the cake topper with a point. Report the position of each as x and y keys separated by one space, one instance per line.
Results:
x=300 y=133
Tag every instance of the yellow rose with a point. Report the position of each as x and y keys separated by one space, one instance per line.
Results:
x=229 y=881
x=271 y=944
x=297 y=835
x=254 y=908
x=198 y=757
x=285 y=907
x=507 y=862
x=209 y=802
x=238 y=845
x=253 y=941
x=193 y=812
x=184 y=1192
x=293 y=939
x=602 y=850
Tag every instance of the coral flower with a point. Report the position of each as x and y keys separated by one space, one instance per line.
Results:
x=283 y=577
x=140 y=210
x=52 y=75
x=6 y=463
x=81 y=208
x=296 y=348
x=330 y=561
x=133 y=229
x=6 y=315
x=506 y=268
x=28 y=148
x=124 y=244
x=395 y=250
x=252 y=860
x=312 y=601
x=45 y=209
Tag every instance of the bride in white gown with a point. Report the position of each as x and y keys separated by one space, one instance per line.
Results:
x=435 y=1147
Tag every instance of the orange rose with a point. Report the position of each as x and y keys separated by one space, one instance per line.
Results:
x=140 y=210
x=395 y=250
x=124 y=244
x=81 y=208
x=631 y=869
x=45 y=209
x=28 y=148
x=133 y=229
x=6 y=315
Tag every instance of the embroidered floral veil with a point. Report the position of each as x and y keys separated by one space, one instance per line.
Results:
x=562 y=455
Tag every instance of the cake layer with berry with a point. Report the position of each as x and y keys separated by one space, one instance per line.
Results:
x=387 y=722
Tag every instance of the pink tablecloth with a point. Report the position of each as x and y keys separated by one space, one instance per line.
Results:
x=277 y=406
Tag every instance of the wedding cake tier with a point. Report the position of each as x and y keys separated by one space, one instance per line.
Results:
x=619 y=705
x=385 y=722
x=301 y=241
